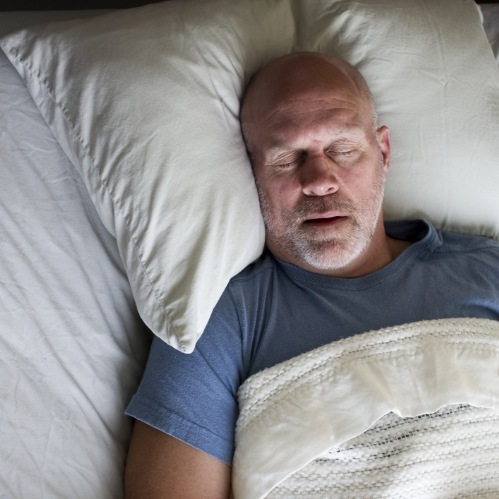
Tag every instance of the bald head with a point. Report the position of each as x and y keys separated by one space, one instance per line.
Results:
x=298 y=76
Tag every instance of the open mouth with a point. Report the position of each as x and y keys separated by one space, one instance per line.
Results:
x=324 y=221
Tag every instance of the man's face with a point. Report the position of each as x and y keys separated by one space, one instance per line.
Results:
x=320 y=168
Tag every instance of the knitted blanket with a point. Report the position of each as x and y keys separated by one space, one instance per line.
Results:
x=408 y=411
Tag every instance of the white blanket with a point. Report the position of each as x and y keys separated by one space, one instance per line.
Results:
x=408 y=411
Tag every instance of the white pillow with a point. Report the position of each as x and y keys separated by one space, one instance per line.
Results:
x=436 y=85
x=145 y=103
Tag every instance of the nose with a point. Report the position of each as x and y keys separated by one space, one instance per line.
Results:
x=318 y=176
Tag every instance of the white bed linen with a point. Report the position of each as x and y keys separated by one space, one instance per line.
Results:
x=329 y=414
x=72 y=346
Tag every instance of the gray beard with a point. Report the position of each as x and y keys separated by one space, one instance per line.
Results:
x=330 y=253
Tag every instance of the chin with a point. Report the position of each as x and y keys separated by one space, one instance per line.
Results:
x=332 y=255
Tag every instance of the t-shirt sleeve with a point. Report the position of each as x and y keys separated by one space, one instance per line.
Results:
x=192 y=397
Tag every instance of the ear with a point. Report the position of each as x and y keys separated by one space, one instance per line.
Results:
x=383 y=138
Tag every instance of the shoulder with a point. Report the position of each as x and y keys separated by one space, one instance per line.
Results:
x=264 y=267
x=437 y=241
x=466 y=243
x=467 y=253
x=254 y=279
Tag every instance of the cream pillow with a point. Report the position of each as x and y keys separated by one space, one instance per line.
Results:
x=145 y=103
x=436 y=85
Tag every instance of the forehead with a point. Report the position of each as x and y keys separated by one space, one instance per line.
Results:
x=301 y=95
x=302 y=122
x=277 y=103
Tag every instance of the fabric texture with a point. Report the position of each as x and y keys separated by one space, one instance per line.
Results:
x=72 y=346
x=145 y=103
x=273 y=311
x=449 y=453
x=327 y=418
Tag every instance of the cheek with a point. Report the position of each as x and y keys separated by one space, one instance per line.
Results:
x=279 y=193
x=286 y=195
x=364 y=181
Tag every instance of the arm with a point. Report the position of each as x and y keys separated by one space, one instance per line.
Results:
x=185 y=412
x=160 y=466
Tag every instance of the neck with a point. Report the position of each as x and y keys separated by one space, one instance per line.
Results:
x=381 y=251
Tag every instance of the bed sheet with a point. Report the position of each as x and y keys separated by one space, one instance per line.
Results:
x=72 y=346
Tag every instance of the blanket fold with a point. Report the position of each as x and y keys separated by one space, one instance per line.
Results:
x=406 y=411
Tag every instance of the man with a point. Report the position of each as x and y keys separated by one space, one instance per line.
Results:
x=333 y=270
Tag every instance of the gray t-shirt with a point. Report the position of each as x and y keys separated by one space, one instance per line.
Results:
x=273 y=311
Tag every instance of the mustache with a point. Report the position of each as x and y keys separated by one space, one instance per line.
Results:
x=321 y=205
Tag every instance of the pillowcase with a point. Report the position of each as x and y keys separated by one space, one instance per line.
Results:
x=145 y=103
x=436 y=85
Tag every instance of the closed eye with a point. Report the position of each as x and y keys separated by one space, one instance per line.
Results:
x=287 y=162
x=342 y=154
x=344 y=148
x=284 y=166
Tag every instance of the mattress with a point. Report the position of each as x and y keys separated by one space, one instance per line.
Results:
x=72 y=344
